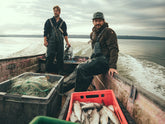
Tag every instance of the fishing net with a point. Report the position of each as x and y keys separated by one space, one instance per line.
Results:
x=32 y=86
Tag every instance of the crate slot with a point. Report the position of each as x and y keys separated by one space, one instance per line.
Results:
x=82 y=97
x=92 y=96
x=102 y=95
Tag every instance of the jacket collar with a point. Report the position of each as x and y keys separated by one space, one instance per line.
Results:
x=97 y=31
x=55 y=19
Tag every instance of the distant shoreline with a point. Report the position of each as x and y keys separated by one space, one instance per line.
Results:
x=87 y=36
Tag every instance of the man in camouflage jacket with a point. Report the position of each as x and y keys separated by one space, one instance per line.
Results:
x=108 y=43
x=104 y=56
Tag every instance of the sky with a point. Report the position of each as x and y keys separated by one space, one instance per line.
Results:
x=125 y=17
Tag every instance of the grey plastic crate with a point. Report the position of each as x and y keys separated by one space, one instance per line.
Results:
x=21 y=109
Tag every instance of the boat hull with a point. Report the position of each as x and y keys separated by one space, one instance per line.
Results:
x=143 y=106
x=14 y=66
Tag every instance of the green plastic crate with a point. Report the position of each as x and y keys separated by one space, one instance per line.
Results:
x=49 y=120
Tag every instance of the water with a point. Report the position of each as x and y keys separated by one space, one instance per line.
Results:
x=150 y=50
x=141 y=61
x=16 y=47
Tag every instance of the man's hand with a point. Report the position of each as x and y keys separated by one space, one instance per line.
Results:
x=111 y=71
x=45 y=43
x=68 y=44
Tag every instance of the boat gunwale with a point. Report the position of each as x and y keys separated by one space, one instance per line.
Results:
x=149 y=95
x=20 y=57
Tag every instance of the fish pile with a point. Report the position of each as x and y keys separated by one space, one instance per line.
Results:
x=93 y=113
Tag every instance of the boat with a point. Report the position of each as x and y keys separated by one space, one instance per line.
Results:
x=142 y=106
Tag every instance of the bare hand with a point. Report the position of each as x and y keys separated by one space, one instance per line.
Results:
x=45 y=43
x=68 y=44
x=112 y=71
x=90 y=41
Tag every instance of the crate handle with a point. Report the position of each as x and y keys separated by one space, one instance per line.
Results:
x=89 y=96
x=92 y=96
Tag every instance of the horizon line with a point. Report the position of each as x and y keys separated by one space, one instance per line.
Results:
x=87 y=36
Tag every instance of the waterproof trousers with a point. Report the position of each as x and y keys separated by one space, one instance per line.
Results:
x=55 y=50
x=83 y=74
x=86 y=71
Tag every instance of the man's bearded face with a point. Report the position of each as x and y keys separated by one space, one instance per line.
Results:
x=98 y=23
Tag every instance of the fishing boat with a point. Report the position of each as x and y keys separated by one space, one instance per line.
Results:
x=136 y=102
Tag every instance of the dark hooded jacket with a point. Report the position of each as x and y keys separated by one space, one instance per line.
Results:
x=108 y=43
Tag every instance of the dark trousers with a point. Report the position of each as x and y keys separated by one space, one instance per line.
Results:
x=82 y=76
x=55 y=50
x=86 y=71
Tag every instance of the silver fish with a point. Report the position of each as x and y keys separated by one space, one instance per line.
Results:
x=88 y=106
x=91 y=106
x=73 y=117
x=111 y=115
x=94 y=117
x=77 y=109
x=83 y=114
x=98 y=106
x=111 y=107
x=103 y=117
x=89 y=111
x=84 y=118
x=83 y=103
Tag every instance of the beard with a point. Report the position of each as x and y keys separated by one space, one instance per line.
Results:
x=98 y=26
x=56 y=16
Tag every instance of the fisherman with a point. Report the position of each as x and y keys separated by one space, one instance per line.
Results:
x=103 y=59
x=55 y=31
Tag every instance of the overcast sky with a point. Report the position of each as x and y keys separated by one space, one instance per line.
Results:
x=125 y=17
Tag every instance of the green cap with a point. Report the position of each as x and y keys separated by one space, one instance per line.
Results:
x=98 y=15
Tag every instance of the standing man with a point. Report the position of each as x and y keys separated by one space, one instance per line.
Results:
x=103 y=59
x=55 y=31
x=104 y=54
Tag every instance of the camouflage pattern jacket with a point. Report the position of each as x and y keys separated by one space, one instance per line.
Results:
x=108 y=43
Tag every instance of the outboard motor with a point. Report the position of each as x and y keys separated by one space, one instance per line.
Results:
x=68 y=52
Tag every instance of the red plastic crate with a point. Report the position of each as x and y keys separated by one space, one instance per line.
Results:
x=100 y=96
